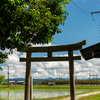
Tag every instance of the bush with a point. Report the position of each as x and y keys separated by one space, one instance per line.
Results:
x=5 y=83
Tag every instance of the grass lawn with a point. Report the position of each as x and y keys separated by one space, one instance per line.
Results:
x=12 y=87
x=91 y=97
x=82 y=87
x=61 y=87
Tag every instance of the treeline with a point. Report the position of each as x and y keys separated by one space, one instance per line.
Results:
x=63 y=82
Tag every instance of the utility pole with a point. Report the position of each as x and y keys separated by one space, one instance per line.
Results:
x=8 y=75
x=89 y=77
x=95 y=12
x=75 y=79
x=59 y=79
x=97 y=79
x=93 y=75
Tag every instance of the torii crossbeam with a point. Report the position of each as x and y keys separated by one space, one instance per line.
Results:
x=49 y=49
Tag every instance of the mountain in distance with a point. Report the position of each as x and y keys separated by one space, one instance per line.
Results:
x=36 y=80
x=40 y=80
x=15 y=79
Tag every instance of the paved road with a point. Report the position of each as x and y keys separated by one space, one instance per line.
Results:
x=81 y=95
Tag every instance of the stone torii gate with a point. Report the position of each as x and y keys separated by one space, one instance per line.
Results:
x=49 y=49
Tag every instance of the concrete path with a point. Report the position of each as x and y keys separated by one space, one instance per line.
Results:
x=81 y=95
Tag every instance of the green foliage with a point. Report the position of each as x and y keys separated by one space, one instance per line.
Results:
x=58 y=82
x=1 y=68
x=62 y=82
x=35 y=83
x=30 y=21
x=91 y=97
x=2 y=78
x=11 y=87
x=3 y=57
x=4 y=83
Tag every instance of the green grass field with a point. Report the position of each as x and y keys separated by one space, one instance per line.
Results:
x=92 y=97
x=67 y=87
x=12 y=87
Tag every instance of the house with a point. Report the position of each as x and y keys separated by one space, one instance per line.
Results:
x=12 y=82
x=17 y=83
x=51 y=83
x=20 y=83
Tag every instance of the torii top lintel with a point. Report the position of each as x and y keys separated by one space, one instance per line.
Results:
x=55 y=48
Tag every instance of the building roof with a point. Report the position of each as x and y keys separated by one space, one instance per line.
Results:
x=91 y=52
x=11 y=81
x=20 y=81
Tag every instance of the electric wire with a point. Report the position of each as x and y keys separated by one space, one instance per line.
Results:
x=78 y=7
x=96 y=25
x=96 y=17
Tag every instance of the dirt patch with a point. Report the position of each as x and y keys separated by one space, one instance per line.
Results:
x=7 y=88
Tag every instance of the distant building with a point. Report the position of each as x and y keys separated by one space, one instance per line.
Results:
x=51 y=83
x=17 y=83
x=12 y=82
x=20 y=82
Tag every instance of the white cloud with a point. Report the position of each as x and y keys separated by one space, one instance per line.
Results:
x=83 y=0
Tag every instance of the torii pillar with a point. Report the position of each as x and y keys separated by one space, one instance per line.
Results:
x=27 y=77
x=49 y=49
x=71 y=74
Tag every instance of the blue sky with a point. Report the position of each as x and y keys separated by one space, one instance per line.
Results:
x=78 y=26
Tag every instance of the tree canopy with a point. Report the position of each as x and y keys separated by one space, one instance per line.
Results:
x=3 y=58
x=30 y=21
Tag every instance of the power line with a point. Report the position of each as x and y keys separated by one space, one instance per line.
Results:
x=78 y=7
x=95 y=20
